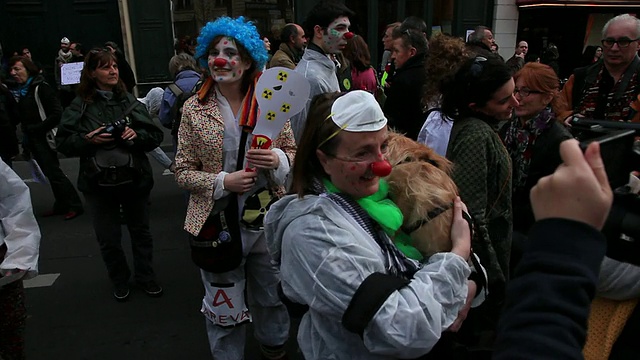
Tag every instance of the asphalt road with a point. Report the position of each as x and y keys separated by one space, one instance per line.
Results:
x=76 y=317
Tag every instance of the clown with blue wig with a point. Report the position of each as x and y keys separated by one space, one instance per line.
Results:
x=231 y=188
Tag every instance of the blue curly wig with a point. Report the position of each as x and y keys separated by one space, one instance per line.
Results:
x=243 y=31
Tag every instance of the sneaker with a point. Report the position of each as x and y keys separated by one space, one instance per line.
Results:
x=152 y=288
x=121 y=292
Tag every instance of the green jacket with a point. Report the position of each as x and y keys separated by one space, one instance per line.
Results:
x=482 y=172
x=75 y=124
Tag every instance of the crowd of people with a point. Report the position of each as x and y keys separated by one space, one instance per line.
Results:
x=325 y=243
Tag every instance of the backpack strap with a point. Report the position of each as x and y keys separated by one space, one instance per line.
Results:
x=175 y=89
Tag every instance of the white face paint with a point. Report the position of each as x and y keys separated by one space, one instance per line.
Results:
x=225 y=63
x=334 y=40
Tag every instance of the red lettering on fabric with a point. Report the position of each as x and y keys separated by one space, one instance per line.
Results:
x=226 y=299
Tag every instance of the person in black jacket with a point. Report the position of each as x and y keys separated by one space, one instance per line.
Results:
x=103 y=99
x=8 y=138
x=403 y=106
x=30 y=87
x=533 y=140
x=548 y=298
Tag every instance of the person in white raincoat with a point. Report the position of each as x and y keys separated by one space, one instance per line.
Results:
x=19 y=252
x=365 y=299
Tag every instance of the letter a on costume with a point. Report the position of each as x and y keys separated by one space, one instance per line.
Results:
x=225 y=299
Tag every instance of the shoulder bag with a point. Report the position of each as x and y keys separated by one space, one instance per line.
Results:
x=51 y=134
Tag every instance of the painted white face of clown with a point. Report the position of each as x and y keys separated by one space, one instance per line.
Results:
x=334 y=39
x=225 y=63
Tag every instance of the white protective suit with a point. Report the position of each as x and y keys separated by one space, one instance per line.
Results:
x=320 y=71
x=325 y=255
x=19 y=229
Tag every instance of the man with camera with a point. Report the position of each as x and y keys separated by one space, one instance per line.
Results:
x=608 y=89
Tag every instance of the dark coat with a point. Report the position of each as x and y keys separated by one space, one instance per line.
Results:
x=545 y=159
x=8 y=122
x=482 y=172
x=76 y=124
x=547 y=307
x=403 y=107
x=28 y=114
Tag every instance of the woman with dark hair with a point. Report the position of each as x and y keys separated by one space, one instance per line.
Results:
x=332 y=239
x=231 y=187
x=477 y=97
x=110 y=131
x=363 y=76
x=38 y=110
x=446 y=54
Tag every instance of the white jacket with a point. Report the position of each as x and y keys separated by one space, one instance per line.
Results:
x=19 y=229
x=320 y=71
x=325 y=255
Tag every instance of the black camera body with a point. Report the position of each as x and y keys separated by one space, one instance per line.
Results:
x=115 y=128
x=621 y=155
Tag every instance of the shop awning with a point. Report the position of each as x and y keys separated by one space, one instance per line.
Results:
x=575 y=3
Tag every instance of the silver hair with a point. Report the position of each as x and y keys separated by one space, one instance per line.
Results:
x=622 y=18
x=181 y=62
x=478 y=34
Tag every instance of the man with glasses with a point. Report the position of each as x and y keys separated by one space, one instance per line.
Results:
x=608 y=90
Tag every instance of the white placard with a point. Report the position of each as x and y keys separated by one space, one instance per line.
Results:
x=281 y=93
x=70 y=73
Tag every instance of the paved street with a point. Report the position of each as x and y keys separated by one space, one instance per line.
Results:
x=77 y=317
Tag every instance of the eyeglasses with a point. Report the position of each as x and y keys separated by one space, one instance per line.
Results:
x=524 y=92
x=622 y=42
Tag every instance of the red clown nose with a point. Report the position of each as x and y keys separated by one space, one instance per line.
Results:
x=349 y=35
x=219 y=62
x=381 y=168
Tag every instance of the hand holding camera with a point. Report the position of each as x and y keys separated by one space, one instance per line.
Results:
x=99 y=136
x=110 y=132
x=578 y=190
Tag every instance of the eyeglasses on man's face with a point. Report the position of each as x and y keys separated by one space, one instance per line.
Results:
x=524 y=92
x=622 y=42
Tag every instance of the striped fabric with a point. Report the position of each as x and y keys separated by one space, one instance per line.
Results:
x=396 y=262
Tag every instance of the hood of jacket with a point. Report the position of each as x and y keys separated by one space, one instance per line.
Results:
x=187 y=74
x=285 y=211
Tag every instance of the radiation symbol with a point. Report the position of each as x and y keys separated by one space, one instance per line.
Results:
x=267 y=94
x=261 y=140
x=256 y=208
x=285 y=107
x=282 y=76
x=271 y=116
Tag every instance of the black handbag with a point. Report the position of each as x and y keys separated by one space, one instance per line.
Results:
x=218 y=246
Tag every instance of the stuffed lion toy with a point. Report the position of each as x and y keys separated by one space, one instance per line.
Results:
x=420 y=185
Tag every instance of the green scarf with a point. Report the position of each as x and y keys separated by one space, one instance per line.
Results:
x=386 y=213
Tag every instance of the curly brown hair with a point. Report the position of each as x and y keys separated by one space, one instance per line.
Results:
x=446 y=54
